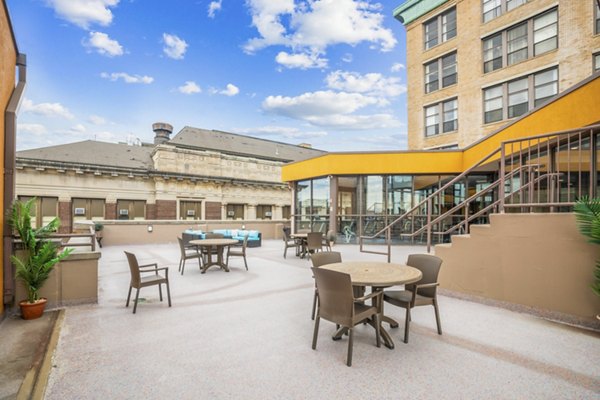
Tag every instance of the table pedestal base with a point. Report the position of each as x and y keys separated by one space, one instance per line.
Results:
x=219 y=262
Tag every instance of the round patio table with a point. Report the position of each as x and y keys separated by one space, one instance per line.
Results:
x=220 y=245
x=378 y=275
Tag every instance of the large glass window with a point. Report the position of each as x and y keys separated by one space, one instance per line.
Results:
x=442 y=69
x=516 y=44
x=440 y=28
x=399 y=191
x=190 y=210
x=519 y=43
x=494 y=8
x=373 y=195
x=320 y=196
x=131 y=209
x=448 y=121
x=303 y=198
x=523 y=94
x=545 y=32
x=518 y=99
x=312 y=200
x=87 y=209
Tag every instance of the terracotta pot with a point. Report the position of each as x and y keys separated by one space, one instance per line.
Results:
x=32 y=310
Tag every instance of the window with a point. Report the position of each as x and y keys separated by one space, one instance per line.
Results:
x=235 y=211
x=597 y=17
x=440 y=28
x=448 y=121
x=494 y=8
x=520 y=42
x=286 y=212
x=44 y=210
x=522 y=95
x=545 y=32
x=596 y=62
x=91 y=209
x=447 y=66
x=131 y=209
x=264 y=212
x=190 y=210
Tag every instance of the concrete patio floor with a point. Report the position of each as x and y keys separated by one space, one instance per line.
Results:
x=247 y=335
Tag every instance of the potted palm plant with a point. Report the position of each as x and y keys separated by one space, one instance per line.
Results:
x=38 y=258
x=587 y=212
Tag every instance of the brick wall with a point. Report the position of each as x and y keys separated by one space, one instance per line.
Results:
x=64 y=214
x=150 y=211
x=166 y=209
x=110 y=211
x=212 y=210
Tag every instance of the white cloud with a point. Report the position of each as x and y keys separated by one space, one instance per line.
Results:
x=127 y=78
x=230 y=90
x=373 y=84
x=96 y=120
x=300 y=60
x=190 y=87
x=104 y=45
x=331 y=110
x=397 y=67
x=282 y=131
x=213 y=7
x=46 y=109
x=83 y=13
x=175 y=47
x=34 y=129
x=315 y=25
x=347 y=58
x=77 y=129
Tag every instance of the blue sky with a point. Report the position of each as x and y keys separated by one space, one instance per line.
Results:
x=326 y=72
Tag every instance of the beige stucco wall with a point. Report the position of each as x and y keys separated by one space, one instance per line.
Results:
x=136 y=232
x=576 y=44
x=535 y=260
x=73 y=281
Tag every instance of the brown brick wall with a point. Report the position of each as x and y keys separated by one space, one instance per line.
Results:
x=150 y=211
x=166 y=209
x=64 y=213
x=212 y=210
x=110 y=210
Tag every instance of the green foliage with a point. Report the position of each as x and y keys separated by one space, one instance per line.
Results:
x=98 y=226
x=587 y=213
x=40 y=255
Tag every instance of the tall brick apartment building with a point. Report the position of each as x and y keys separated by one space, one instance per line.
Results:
x=474 y=65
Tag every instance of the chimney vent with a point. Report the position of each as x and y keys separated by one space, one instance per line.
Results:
x=162 y=132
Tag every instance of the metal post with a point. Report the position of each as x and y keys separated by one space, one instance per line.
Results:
x=429 y=224
x=501 y=192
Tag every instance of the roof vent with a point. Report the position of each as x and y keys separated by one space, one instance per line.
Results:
x=162 y=132
x=305 y=145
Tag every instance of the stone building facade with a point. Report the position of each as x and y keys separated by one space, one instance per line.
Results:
x=197 y=175
x=474 y=65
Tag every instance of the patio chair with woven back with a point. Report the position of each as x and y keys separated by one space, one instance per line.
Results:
x=238 y=251
x=337 y=304
x=421 y=293
x=318 y=259
x=188 y=253
x=314 y=243
x=138 y=281
x=289 y=242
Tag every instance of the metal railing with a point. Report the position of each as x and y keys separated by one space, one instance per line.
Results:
x=544 y=172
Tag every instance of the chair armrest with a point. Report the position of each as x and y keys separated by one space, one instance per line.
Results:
x=155 y=269
x=155 y=265
x=427 y=285
x=369 y=296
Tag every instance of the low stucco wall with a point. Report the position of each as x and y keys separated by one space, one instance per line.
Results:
x=73 y=281
x=535 y=260
x=137 y=232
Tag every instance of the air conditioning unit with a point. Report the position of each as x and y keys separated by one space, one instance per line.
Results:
x=268 y=213
x=124 y=212
x=191 y=213
x=79 y=211
x=230 y=213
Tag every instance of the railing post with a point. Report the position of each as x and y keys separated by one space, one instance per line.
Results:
x=429 y=211
x=388 y=235
x=502 y=183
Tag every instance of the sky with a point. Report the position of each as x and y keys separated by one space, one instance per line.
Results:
x=326 y=72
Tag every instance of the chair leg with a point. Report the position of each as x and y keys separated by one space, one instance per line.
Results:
x=316 y=332
x=168 y=293
x=314 y=306
x=137 y=295
x=285 y=251
x=245 y=263
x=350 y=344
x=437 y=316
x=180 y=261
x=183 y=266
x=128 y=297
x=378 y=328
x=160 y=291
x=406 y=324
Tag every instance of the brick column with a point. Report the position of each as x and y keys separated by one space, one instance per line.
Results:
x=166 y=209
x=110 y=210
x=64 y=213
